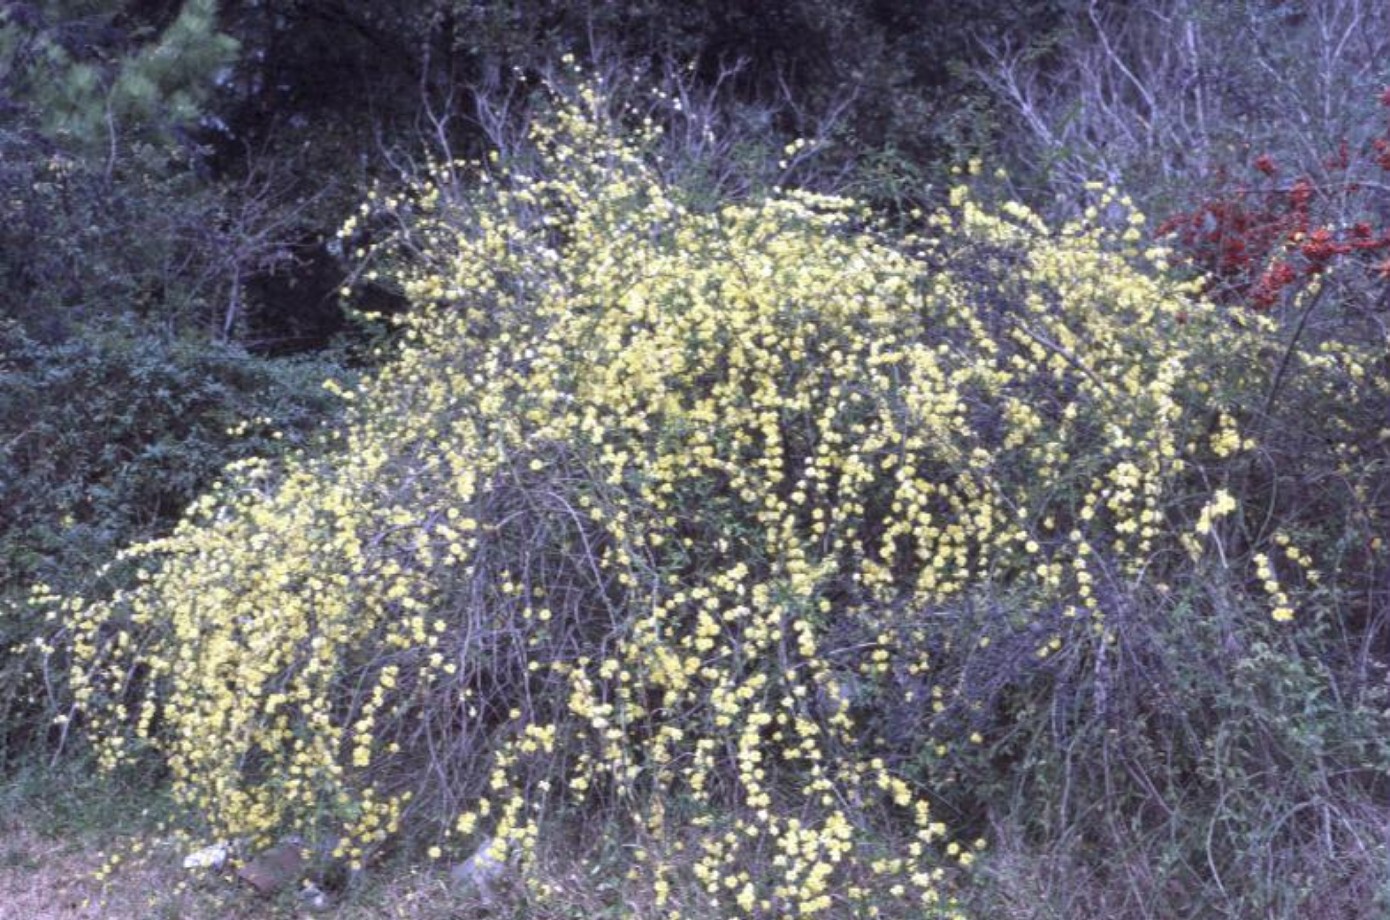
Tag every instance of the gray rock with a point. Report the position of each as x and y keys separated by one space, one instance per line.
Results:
x=481 y=871
x=277 y=868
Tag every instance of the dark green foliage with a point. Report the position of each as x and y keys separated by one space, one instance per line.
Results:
x=107 y=213
x=104 y=439
x=890 y=82
x=108 y=436
x=127 y=274
x=96 y=80
x=83 y=246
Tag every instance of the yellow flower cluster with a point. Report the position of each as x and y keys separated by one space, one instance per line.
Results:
x=652 y=501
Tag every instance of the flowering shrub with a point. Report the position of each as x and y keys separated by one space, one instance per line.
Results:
x=1256 y=241
x=656 y=505
x=1314 y=252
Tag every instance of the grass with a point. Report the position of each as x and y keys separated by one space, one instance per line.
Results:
x=59 y=829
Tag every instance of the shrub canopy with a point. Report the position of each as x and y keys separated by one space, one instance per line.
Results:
x=653 y=508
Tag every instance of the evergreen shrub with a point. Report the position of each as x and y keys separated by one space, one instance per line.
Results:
x=104 y=440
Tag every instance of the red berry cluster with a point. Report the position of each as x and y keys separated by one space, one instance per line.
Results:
x=1263 y=237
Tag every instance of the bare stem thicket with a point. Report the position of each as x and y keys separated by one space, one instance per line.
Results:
x=1155 y=96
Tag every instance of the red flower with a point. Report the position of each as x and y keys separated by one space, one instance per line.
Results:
x=1301 y=194
x=1382 y=147
x=1385 y=97
x=1265 y=164
x=1267 y=289
x=1319 y=246
x=1282 y=273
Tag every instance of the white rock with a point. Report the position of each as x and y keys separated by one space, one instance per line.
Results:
x=312 y=897
x=209 y=857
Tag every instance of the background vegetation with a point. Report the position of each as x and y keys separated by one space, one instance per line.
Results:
x=1045 y=548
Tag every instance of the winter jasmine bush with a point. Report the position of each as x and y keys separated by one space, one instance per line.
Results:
x=689 y=520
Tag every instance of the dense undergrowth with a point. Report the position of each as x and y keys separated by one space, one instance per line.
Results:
x=831 y=569
x=108 y=437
